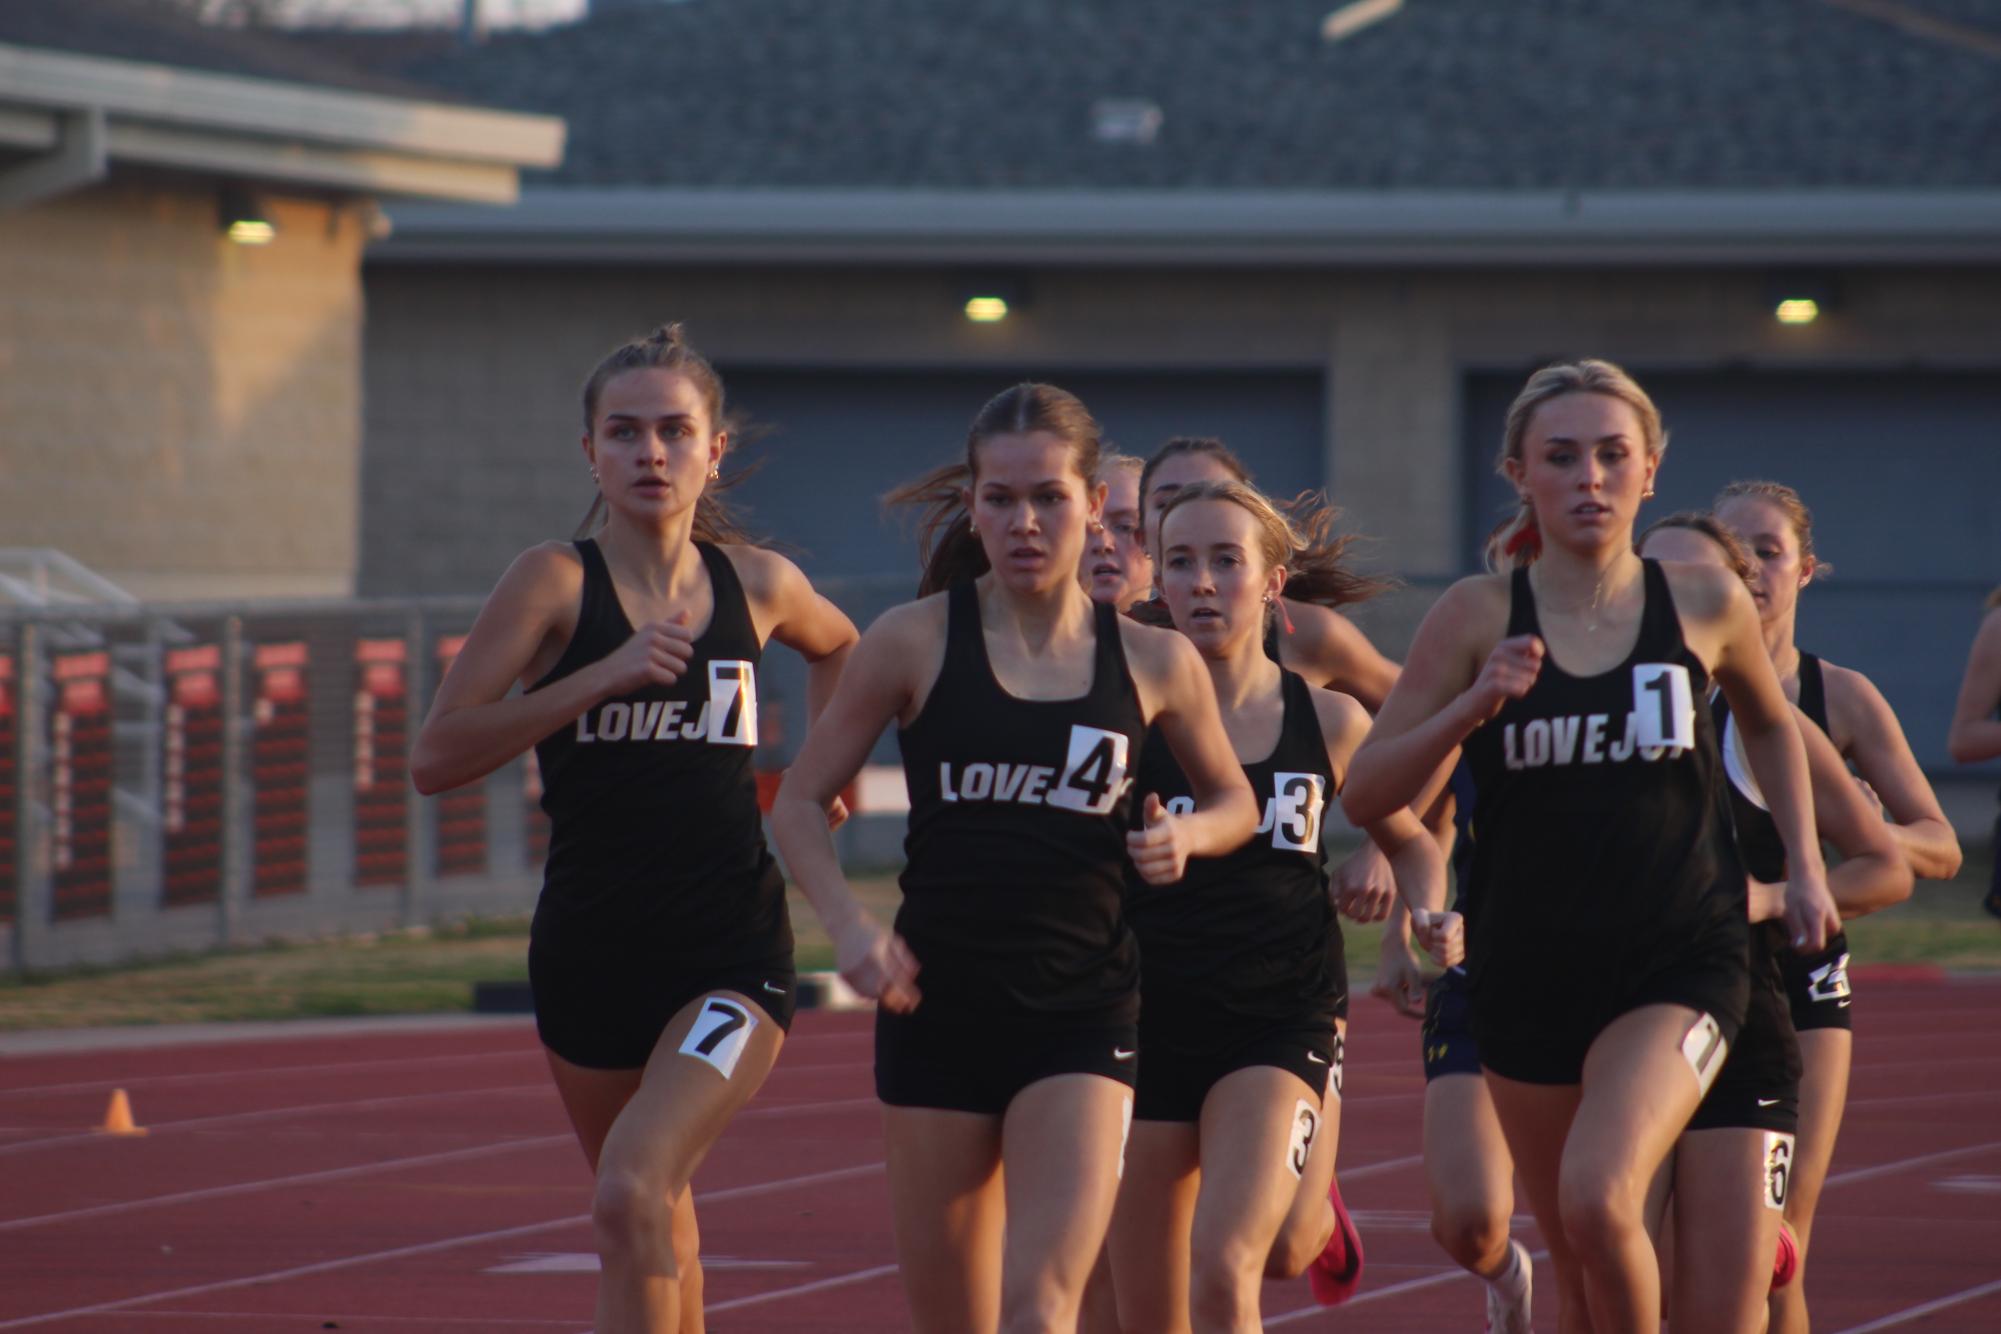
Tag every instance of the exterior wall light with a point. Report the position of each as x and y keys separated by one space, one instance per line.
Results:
x=243 y=219
x=989 y=298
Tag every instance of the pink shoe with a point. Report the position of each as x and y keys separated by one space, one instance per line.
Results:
x=1787 y=1262
x=1337 y=1271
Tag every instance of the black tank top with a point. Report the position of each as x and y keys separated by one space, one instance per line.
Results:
x=655 y=831
x=1813 y=692
x=1813 y=703
x=1598 y=840
x=1252 y=930
x=1769 y=1019
x=1016 y=855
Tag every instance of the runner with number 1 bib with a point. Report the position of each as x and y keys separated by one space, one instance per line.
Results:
x=1608 y=945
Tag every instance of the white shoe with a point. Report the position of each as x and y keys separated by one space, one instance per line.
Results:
x=1506 y=1317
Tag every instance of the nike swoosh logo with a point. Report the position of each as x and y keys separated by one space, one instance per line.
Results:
x=776 y=991
x=1316 y=1058
x=1768 y=1102
x=1123 y=1054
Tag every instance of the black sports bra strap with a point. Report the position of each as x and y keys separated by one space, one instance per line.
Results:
x=1109 y=669
x=1813 y=690
x=1522 y=618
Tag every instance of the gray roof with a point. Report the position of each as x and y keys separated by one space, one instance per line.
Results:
x=159 y=33
x=1473 y=95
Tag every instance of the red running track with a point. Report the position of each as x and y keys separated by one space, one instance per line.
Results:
x=400 y=1180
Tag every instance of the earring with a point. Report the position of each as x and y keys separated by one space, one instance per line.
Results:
x=1647 y=494
x=715 y=473
x=594 y=474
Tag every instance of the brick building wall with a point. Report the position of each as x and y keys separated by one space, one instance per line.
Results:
x=179 y=412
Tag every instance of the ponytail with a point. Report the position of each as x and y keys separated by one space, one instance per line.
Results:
x=1317 y=569
x=948 y=548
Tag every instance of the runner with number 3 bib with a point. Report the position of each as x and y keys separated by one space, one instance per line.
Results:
x=1243 y=982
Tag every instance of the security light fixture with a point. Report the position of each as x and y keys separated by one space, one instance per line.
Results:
x=989 y=298
x=243 y=218
x=1801 y=296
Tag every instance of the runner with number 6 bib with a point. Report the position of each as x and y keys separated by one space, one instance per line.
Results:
x=1243 y=983
x=660 y=954
x=1731 y=1173
x=1608 y=946
x=1774 y=525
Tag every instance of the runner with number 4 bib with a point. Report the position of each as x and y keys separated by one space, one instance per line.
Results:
x=1006 y=1064
x=1608 y=946
x=1243 y=983
x=660 y=953
x=1774 y=525
x=1731 y=1172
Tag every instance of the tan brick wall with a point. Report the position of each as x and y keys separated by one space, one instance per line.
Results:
x=178 y=412
x=473 y=372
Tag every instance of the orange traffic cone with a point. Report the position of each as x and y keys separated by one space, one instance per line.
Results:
x=118 y=1116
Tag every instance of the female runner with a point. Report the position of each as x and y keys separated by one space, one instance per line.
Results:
x=1730 y=1172
x=1244 y=982
x=1976 y=732
x=660 y=954
x=1773 y=523
x=1467 y=1169
x=1116 y=566
x=1608 y=949
x=1007 y=1068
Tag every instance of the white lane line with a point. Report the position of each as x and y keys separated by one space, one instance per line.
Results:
x=1375 y=1169
x=422 y=1248
x=272 y=1183
x=1920 y=1099
x=313 y=1320
x=1888 y=1169
x=277 y=1113
x=385 y=1165
x=259 y=1072
x=821 y=1285
x=1909 y=1314
x=1378 y=1294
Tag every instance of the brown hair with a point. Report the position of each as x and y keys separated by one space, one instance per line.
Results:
x=950 y=549
x=1297 y=536
x=1189 y=444
x=1696 y=521
x=667 y=348
x=1788 y=502
x=1516 y=540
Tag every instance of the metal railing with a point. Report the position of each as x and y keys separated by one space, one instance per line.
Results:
x=181 y=777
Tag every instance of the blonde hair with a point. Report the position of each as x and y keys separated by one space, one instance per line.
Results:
x=1517 y=540
x=1787 y=501
x=1111 y=461
x=1297 y=538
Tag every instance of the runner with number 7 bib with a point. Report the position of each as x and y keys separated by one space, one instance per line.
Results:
x=660 y=954
x=1608 y=950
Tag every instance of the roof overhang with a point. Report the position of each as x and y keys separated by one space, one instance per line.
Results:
x=1181 y=227
x=264 y=130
